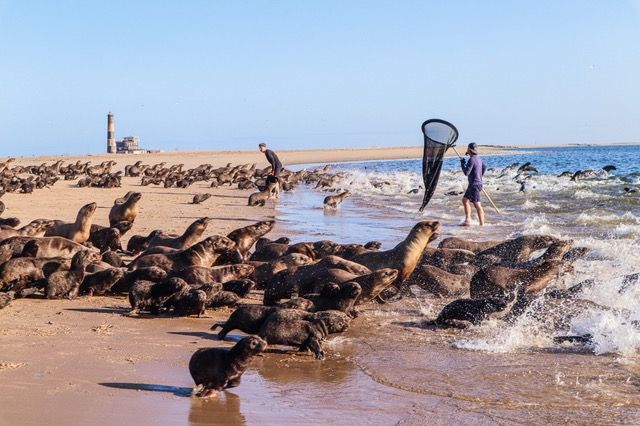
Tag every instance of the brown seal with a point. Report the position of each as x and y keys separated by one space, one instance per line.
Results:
x=333 y=201
x=219 y=274
x=405 y=256
x=200 y=198
x=260 y=198
x=106 y=239
x=495 y=280
x=461 y=243
x=152 y=273
x=241 y=287
x=100 y=283
x=147 y=295
x=475 y=311
x=439 y=282
x=337 y=297
x=78 y=231
x=264 y=272
x=190 y=236
x=186 y=303
x=41 y=246
x=516 y=250
x=247 y=318
x=447 y=259
x=21 y=272
x=126 y=211
x=67 y=283
x=222 y=298
x=280 y=329
x=247 y=236
x=36 y=228
x=215 y=369
x=139 y=243
x=203 y=253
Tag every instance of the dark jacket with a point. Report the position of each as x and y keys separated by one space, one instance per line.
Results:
x=272 y=158
x=474 y=169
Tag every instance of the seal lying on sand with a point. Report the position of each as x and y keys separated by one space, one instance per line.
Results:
x=78 y=231
x=214 y=369
x=203 y=253
x=333 y=201
x=126 y=211
x=190 y=236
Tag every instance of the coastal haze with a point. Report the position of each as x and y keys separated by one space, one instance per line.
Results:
x=552 y=84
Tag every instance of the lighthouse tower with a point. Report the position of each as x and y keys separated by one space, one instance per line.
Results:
x=111 y=134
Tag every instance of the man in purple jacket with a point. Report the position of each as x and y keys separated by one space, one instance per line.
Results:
x=474 y=170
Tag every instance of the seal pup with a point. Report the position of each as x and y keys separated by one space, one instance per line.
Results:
x=67 y=283
x=147 y=295
x=260 y=198
x=241 y=287
x=475 y=311
x=126 y=211
x=246 y=318
x=152 y=273
x=100 y=283
x=78 y=231
x=279 y=329
x=333 y=201
x=214 y=369
x=218 y=274
x=191 y=235
x=337 y=297
x=191 y=302
x=200 y=198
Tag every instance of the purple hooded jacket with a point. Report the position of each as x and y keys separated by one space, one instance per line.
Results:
x=474 y=169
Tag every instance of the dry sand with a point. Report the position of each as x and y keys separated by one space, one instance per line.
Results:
x=83 y=362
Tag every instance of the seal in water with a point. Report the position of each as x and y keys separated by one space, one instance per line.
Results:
x=459 y=312
x=333 y=201
x=494 y=280
x=214 y=369
x=307 y=335
x=247 y=318
x=461 y=243
x=78 y=231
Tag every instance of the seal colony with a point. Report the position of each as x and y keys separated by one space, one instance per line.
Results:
x=309 y=290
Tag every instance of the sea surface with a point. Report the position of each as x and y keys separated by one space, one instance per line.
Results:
x=510 y=372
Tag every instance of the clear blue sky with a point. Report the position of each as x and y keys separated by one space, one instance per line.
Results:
x=301 y=74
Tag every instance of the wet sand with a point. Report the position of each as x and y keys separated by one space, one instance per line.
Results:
x=84 y=362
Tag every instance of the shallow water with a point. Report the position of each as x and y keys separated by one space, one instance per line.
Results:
x=496 y=366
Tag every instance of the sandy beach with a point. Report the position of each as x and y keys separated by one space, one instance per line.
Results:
x=84 y=362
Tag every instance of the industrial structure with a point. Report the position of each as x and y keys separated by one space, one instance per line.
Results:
x=128 y=144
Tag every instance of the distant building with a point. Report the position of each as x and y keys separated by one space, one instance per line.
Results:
x=128 y=145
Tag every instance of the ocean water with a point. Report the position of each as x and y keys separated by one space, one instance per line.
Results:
x=595 y=213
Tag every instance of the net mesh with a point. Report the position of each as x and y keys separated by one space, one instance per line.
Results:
x=439 y=136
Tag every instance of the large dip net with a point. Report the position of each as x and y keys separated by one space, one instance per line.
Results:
x=439 y=136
